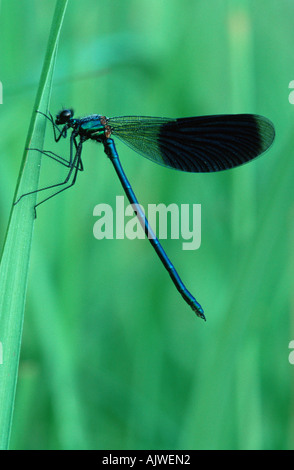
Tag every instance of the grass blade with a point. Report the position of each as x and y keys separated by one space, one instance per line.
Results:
x=16 y=253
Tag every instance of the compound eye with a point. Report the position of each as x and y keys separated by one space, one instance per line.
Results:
x=64 y=116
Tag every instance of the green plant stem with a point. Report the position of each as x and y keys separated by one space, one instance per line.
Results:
x=16 y=253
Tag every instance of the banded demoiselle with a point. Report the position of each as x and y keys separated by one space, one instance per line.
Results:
x=196 y=144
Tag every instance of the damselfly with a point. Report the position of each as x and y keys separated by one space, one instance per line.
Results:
x=196 y=144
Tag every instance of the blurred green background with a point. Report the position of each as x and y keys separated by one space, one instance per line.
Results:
x=112 y=357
